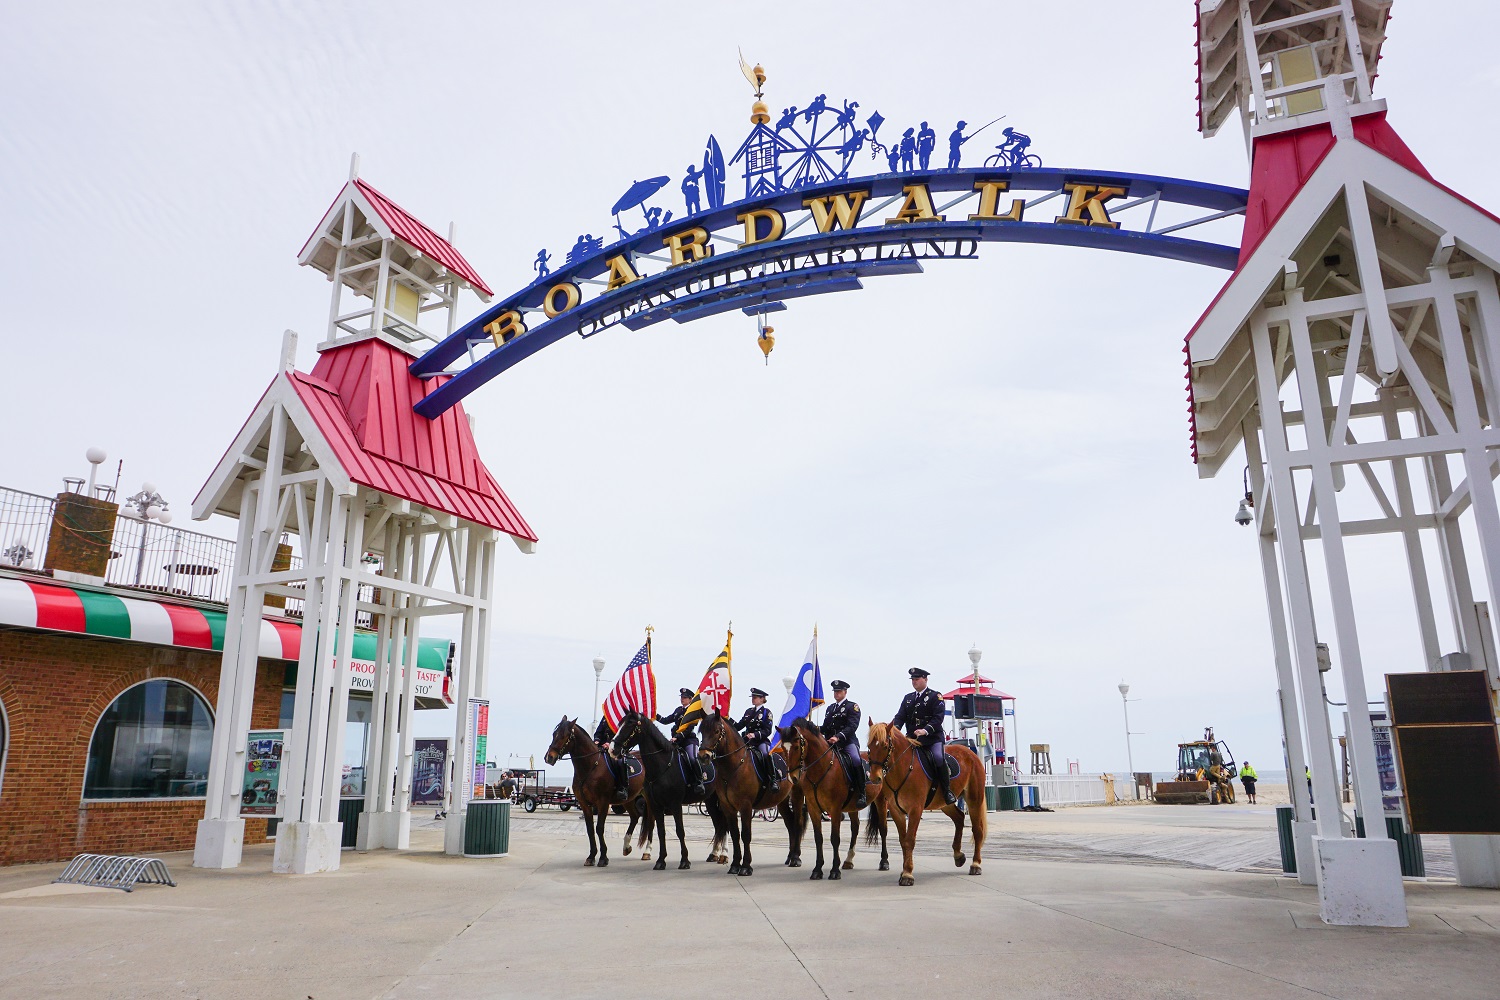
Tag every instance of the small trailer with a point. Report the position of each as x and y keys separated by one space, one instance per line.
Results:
x=532 y=790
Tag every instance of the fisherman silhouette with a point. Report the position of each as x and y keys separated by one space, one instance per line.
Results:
x=540 y=264
x=788 y=118
x=690 y=189
x=908 y=149
x=926 y=140
x=955 y=140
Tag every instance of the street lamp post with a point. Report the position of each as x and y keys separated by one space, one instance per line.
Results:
x=1125 y=702
x=598 y=676
x=974 y=655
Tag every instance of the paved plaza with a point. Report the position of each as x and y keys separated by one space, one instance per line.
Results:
x=1084 y=902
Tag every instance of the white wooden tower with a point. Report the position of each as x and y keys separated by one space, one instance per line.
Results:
x=1355 y=353
x=394 y=518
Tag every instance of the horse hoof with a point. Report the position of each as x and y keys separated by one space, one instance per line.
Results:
x=723 y=859
x=710 y=859
x=659 y=866
x=794 y=863
x=589 y=863
x=646 y=856
x=907 y=880
x=746 y=870
x=848 y=866
x=626 y=851
x=733 y=870
x=685 y=864
x=959 y=859
x=885 y=866
x=973 y=869
x=816 y=876
x=834 y=874
x=603 y=862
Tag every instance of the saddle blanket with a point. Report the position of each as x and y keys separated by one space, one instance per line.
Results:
x=952 y=762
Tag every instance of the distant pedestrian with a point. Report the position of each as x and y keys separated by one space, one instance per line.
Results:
x=1248 y=778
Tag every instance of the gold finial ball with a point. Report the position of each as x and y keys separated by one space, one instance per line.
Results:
x=759 y=113
x=760 y=75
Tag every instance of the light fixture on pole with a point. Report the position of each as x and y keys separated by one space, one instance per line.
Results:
x=974 y=655
x=1125 y=703
x=598 y=676
x=146 y=506
x=1245 y=516
x=789 y=680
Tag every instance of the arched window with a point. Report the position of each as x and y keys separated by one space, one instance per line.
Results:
x=153 y=742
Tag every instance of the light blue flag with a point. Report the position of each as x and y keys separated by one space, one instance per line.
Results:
x=806 y=693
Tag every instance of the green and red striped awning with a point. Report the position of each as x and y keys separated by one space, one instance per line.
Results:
x=56 y=608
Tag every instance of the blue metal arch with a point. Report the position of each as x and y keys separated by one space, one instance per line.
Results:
x=837 y=274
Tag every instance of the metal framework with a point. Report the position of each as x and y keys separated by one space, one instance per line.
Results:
x=113 y=871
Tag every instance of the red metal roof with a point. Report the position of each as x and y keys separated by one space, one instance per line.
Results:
x=411 y=229
x=361 y=397
x=986 y=687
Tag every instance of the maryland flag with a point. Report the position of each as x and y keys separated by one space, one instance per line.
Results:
x=713 y=690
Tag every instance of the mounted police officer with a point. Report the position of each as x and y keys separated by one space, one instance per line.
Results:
x=841 y=729
x=686 y=741
x=603 y=734
x=921 y=713
x=755 y=726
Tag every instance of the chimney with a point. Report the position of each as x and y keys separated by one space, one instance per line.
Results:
x=78 y=545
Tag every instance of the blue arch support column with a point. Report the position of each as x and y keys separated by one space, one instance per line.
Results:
x=754 y=254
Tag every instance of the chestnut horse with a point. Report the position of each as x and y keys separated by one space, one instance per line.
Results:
x=906 y=792
x=739 y=790
x=594 y=788
x=825 y=789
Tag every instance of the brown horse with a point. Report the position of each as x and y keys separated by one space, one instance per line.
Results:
x=594 y=788
x=825 y=789
x=907 y=792
x=738 y=788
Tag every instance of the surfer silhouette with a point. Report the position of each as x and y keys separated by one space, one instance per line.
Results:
x=690 y=189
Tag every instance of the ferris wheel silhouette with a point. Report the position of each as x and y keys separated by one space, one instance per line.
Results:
x=819 y=143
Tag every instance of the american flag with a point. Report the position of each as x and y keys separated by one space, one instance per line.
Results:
x=635 y=689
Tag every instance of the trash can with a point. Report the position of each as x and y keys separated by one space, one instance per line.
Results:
x=991 y=798
x=1408 y=845
x=487 y=829
x=1010 y=797
x=1284 y=817
x=349 y=810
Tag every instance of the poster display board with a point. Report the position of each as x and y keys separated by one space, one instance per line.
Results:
x=479 y=738
x=429 y=771
x=262 y=779
x=1385 y=763
x=1447 y=750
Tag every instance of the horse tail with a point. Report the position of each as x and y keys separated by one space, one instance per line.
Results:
x=875 y=824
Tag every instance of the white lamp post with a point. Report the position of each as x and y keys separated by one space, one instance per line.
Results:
x=1125 y=702
x=598 y=676
x=974 y=655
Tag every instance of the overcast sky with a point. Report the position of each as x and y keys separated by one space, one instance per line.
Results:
x=993 y=453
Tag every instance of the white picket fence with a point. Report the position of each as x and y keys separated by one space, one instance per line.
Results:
x=1054 y=790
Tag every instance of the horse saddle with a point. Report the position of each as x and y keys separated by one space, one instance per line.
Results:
x=778 y=769
x=706 y=768
x=952 y=762
x=633 y=768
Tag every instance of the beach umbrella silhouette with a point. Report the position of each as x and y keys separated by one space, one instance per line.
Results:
x=639 y=192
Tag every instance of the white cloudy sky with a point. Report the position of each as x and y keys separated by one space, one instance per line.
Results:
x=994 y=452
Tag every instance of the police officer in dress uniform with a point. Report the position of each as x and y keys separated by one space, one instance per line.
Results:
x=921 y=714
x=687 y=740
x=603 y=734
x=755 y=726
x=841 y=729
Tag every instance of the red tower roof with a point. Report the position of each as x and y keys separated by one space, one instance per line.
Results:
x=361 y=396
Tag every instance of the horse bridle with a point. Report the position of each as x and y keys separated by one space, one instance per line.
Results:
x=884 y=767
x=570 y=754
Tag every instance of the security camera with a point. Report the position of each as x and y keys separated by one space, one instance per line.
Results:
x=1243 y=515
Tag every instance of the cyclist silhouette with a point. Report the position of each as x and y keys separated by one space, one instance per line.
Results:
x=1013 y=150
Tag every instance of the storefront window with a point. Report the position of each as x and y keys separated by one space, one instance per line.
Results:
x=154 y=741
x=4 y=746
x=356 y=745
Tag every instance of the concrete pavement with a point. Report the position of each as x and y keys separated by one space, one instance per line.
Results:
x=538 y=924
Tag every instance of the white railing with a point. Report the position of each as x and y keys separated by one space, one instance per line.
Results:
x=1054 y=790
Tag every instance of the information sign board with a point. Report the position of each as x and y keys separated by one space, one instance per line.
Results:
x=262 y=778
x=479 y=738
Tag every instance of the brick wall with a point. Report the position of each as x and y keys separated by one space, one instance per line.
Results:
x=54 y=688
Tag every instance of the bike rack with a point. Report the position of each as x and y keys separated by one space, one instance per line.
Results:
x=112 y=871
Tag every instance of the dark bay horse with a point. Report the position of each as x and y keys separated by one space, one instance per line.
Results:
x=906 y=792
x=825 y=788
x=739 y=791
x=666 y=788
x=594 y=788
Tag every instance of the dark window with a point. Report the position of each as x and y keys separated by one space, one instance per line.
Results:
x=153 y=742
x=4 y=746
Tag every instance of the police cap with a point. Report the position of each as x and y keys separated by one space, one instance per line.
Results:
x=685 y=692
x=758 y=693
x=916 y=672
x=840 y=685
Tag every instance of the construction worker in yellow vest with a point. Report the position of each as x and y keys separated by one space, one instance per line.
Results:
x=1248 y=778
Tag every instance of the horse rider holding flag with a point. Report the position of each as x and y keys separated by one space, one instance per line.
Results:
x=921 y=713
x=841 y=729
x=755 y=726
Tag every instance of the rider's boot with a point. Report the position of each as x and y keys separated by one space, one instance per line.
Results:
x=941 y=767
x=861 y=799
x=622 y=782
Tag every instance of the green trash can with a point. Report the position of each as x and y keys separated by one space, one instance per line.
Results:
x=1010 y=797
x=1408 y=845
x=487 y=829
x=1284 y=817
x=991 y=798
x=349 y=810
